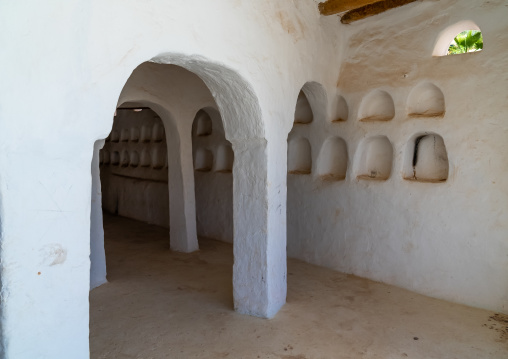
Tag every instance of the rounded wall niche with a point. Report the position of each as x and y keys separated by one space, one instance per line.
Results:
x=157 y=132
x=426 y=100
x=224 y=159
x=377 y=106
x=299 y=156
x=146 y=133
x=114 y=136
x=303 y=111
x=145 y=159
x=134 y=159
x=203 y=160
x=115 y=158
x=134 y=135
x=376 y=159
x=158 y=159
x=124 y=135
x=124 y=159
x=105 y=157
x=333 y=158
x=202 y=124
x=426 y=159
x=342 y=109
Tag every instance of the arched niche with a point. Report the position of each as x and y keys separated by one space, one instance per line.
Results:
x=224 y=159
x=134 y=135
x=146 y=134
x=333 y=159
x=114 y=136
x=303 y=111
x=203 y=160
x=310 y=104
x=134 y=162
x=426 y=100
x=158 y=158
x=105 y=157
x=377 y=106
x=426 y=159
x=158 y=131
x=124 y=135
x=145 y=158
x=299 y=156
x=202 y=125
x=376 y=157
x=124 y=158
x=446 y=36
x=115 y=158
x=342 y=110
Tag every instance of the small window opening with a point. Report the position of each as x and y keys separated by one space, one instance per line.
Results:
x=466 y=41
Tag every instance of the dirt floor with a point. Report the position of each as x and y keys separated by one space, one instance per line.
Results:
x=162 y=304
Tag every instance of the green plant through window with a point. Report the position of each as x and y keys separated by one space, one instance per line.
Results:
x=466 y=41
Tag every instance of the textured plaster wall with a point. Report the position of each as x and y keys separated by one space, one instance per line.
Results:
x=447 y=239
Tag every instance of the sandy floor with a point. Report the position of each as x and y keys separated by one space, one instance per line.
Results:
x=160 y=304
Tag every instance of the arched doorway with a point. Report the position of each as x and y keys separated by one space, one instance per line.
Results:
x=169 y=90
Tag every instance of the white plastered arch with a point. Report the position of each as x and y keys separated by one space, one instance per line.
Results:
x=258 y=289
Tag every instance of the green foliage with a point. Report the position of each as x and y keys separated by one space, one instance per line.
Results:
x=466 y=41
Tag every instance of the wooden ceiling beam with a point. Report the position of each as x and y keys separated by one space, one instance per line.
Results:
x=372 y=9
x=332 y=7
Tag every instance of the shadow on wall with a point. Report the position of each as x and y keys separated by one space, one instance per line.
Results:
x=213 y=178
x=133 y=165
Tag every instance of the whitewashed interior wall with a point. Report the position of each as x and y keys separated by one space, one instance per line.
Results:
x=434 y=222
x=213 y=177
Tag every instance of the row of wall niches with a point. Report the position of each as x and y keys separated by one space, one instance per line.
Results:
x=153 y=133
x=424 y=101
x=425 y=159
x=156 y=158
x=222 y=162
